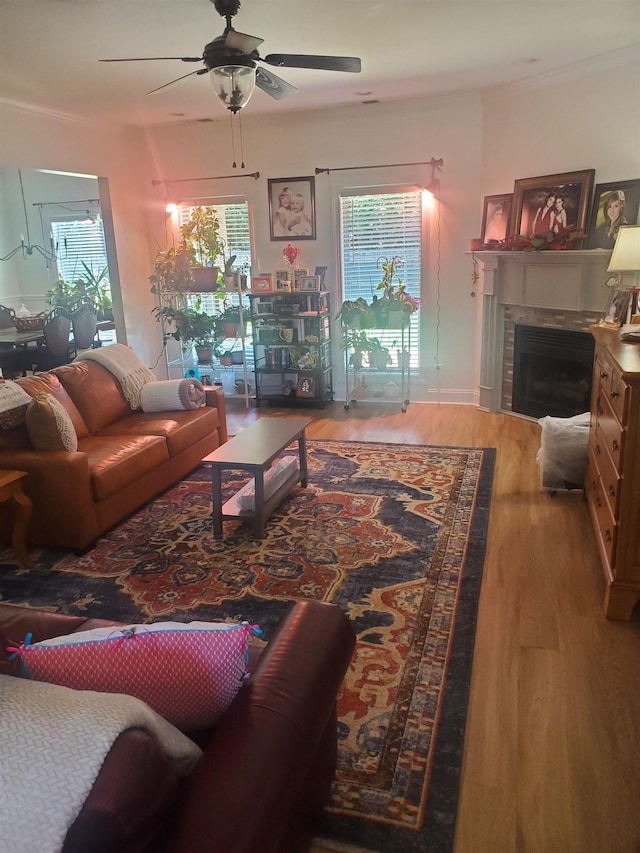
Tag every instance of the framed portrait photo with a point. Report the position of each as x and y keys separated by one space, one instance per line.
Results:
x=306 y=385
x=614 y=204
x=262 y=284
x=615 y=314
x=310 y=283
x=292 y=209
x=496 y=213
x=551 y=204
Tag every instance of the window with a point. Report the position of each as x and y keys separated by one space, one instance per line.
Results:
x=79 y=240
x=376 y=227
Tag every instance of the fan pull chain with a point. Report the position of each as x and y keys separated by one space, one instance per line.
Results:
x=241 y=141
x=233 y=144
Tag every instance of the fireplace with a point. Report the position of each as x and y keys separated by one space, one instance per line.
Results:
x=551 y=371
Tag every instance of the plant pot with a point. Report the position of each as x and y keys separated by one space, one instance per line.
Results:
x=205 y=279
x=404 y=359
x=226 y=360
x=204 y=355
x=398 y=318
x=356 y=360
x=229 y=330
x=379 y=360
x=230 y=283
x=237 y=357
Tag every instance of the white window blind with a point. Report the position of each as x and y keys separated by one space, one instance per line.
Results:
x=77 y=240
x=376 y=227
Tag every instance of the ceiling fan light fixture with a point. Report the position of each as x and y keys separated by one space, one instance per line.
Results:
x=233 y=84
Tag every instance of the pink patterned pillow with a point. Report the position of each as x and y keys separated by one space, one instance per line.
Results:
x=188 y=673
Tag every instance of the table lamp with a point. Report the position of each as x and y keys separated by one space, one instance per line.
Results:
x=625 y=259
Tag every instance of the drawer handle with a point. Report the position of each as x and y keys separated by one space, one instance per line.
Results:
x=600 y=409
x=612 y=491
x=607 y=536
x=598 y=503
x=615 y=445
x=604 y=374
x=614 y=394
x=597 y=450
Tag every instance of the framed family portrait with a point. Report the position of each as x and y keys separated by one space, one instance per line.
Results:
x=292 y=209
x=551 y=203
x=614 y=204
x=261 y=284
x=615 y=314
x=306 y=385
x=496 y=213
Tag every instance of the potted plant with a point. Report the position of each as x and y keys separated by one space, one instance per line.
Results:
x=227 y=321
x=171 y=275
x=230 y=280
x=351 y=312
x=201 y=236
x=189 y=325
x=379 y=356
x=356 y=340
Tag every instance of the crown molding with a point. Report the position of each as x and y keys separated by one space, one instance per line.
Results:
x=586 y=67
x=33 y=109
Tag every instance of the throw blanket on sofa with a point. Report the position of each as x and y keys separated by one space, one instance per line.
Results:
x=53 y=742
x=127 y=368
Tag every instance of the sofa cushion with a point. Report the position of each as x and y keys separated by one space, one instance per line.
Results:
x=116 y=461
x=13 y=404
x=48 y=383
x=181 y=429
x=95 y=392
x=188 y=673
x=49 y=425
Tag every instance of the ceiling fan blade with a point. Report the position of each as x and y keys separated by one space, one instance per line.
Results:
x=178 y=80
x=240 y=41
x=273 y=85
x=154 y=58
x=322 y=63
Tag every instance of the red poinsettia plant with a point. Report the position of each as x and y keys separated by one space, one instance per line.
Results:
x=566 y=238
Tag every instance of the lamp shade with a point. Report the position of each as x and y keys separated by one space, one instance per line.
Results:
x=233 y=84
x=626 y=251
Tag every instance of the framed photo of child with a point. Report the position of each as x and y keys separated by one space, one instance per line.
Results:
x=292 y=209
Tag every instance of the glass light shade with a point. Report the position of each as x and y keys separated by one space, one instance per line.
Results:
x=233 y=84
x=626 y=251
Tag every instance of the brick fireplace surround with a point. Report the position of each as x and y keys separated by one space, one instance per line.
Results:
x=554 y=289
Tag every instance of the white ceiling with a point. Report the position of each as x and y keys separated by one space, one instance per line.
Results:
x=409 y=48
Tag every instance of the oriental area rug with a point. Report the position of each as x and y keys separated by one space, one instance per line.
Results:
x=392 y=533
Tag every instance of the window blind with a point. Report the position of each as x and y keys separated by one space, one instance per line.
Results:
x=77 y=241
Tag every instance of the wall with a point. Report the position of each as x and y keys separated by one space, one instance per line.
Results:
x=588 y=117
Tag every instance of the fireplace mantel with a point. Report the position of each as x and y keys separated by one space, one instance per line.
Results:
x=561 y=281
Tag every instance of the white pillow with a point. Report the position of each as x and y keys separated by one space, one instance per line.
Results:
x=172 y=394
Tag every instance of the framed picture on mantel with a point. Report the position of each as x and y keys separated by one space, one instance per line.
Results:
x=551 y=204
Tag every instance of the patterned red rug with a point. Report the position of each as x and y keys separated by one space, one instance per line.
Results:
x=395 y=535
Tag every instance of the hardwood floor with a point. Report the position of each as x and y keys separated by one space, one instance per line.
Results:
x=552 y=745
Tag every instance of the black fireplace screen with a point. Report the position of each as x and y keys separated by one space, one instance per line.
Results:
x=551 y=371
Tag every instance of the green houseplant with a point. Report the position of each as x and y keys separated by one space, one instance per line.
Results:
x=204 y=245
x=189 y=325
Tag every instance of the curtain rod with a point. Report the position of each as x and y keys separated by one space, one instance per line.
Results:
x=254 y=175
x=435 y=164
x=74 y=201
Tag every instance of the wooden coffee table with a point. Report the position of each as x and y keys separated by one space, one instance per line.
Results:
x=254 y=450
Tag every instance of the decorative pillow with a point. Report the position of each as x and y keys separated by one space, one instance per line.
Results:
x=171 y=394
x=188 y=673
x=49 y=424
x=273 y=479
x=13 y=404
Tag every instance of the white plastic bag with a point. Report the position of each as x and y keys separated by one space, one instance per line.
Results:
x=563 y=451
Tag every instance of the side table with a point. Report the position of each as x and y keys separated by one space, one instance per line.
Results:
x=11 y=489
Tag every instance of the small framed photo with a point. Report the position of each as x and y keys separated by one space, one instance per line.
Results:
x=262 y=284
x=551 y=204
x=310 y=282
x=614 y=204
x=615 y=314
x=264 y=306
x=298 y=275
x=283 y=275
x=306 y=386
x=496 y=213
x=321 y=271
x=283 y=285
x=292 y=208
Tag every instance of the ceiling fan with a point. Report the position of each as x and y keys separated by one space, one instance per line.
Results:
x=231 y=60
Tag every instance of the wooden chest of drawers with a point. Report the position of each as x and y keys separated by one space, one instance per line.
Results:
x=612 y=483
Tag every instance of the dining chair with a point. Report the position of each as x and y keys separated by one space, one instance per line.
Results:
x=84 y=324
x=56 y=349
x=9 y=363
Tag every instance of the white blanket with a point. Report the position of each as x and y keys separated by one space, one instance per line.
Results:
x=53 y=742
x=127 y=368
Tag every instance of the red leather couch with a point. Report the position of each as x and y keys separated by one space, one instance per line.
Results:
x=267 y=767
x=124 y=457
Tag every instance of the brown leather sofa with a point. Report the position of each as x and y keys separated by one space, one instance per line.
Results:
x=124 y=457
x=263 y=780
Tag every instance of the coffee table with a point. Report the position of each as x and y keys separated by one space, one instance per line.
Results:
x=254 y=450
